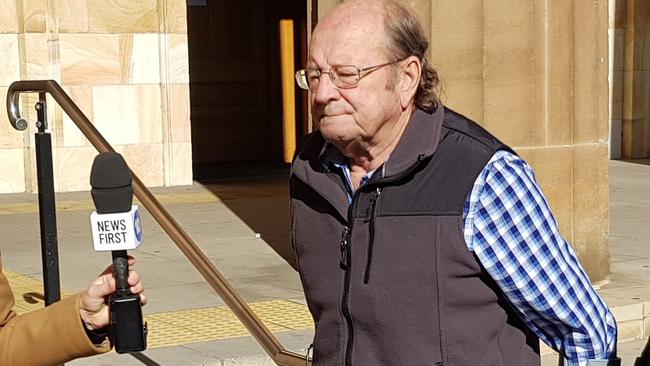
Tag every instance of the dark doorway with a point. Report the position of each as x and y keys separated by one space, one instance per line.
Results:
x=235 y=85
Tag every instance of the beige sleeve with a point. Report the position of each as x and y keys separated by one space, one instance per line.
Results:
x=48 y=336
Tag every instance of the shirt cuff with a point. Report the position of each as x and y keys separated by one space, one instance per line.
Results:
x=97 y=336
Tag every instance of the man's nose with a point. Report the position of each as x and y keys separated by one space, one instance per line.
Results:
x=326 y=90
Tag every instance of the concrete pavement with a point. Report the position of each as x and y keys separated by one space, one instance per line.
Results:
x=243 y=228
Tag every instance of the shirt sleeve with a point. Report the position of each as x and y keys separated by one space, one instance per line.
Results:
x=510 y=228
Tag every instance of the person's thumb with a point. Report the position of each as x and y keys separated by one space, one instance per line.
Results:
x=103 y=286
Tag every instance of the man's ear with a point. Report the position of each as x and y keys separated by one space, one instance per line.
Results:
x=408 y=85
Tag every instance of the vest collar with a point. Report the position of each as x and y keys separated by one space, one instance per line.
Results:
x=420 y=137
x=313 y=165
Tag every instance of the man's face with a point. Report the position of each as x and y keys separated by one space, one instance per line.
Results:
x=352 y=115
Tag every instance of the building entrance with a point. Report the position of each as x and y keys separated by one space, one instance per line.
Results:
x=235 y=84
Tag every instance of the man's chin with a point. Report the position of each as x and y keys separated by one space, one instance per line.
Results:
x=332 y=136
x=336 y=137
x=334 y=128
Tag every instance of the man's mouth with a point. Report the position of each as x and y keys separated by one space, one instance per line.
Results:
x=331 y=115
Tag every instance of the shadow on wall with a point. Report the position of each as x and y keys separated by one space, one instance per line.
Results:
x=629 y=81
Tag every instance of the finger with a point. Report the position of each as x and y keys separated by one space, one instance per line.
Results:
x=134 y=278
x=94 y=317
x=101 y=287
x=143 y=299
x=138 y=288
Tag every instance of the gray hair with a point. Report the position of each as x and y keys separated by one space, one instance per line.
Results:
x=406 y=38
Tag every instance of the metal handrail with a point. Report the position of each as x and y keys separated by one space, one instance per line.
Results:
x=200 y=261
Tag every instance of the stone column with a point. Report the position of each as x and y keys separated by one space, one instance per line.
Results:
x=535 y=75
x=175 y=92
x=636 y=90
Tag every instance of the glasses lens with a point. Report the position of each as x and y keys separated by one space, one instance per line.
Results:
x=313 y=77
x=345 y=76
x=301 y=79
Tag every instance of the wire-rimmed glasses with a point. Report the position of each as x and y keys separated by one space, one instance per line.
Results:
x=342 y=76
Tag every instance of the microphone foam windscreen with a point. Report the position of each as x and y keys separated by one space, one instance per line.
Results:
x=110 y=179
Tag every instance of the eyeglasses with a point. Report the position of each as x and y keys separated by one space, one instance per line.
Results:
x=342 y=76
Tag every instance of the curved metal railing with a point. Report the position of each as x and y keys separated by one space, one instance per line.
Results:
x=200 y=261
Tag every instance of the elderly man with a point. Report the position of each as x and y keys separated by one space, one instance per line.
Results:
x=71 y=328
x=420 y=238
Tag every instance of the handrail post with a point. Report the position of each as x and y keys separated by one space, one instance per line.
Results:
x=46 y=205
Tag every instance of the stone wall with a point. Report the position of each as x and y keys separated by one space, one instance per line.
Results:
x=123 y=62
x=535 y=74
x=11 y=142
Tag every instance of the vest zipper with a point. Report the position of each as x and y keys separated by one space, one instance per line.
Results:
x=346 y=263
x=344 y=247
x=346 y=252
x=373 y=210
x=371 y=233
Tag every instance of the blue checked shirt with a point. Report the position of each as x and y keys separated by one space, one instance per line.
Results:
x=509 y=226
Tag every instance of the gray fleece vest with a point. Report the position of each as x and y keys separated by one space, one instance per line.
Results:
x=389 y=279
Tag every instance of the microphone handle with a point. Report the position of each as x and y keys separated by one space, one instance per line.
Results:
x=127 y=329
x=121 y=269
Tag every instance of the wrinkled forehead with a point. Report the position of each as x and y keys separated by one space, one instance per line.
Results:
x=348 y=35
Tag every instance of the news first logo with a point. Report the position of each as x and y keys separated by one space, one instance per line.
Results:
x=117 y=231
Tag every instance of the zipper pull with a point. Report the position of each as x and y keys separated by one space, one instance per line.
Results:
x=375 y=197
x=371 y=234
x=345 y=237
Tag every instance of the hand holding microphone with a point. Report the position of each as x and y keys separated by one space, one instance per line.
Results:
x=116 y=228
x=93 y=306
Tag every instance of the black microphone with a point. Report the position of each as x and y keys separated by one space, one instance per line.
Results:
x=116 y=227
